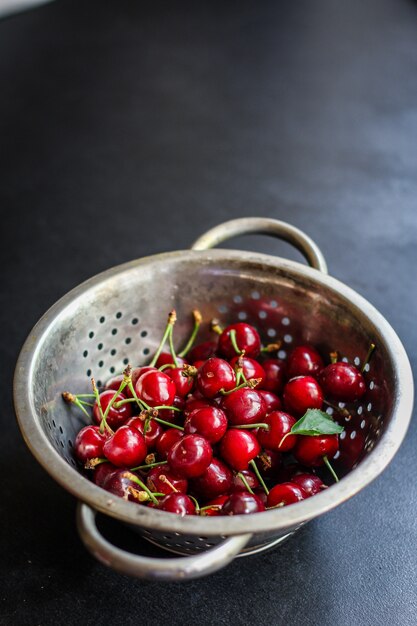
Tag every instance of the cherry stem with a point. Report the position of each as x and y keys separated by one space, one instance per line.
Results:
x=217 y=507
x=197 y=323
x=172 y=318
x=141 y=484
x=263 y=457
x=368 y=357
x=284 y=438
x=158 y=419
x=123 y=384
x=120 y=403
x=215 y=326
x=339 y=409
x=85 y=395
x=272 y=347
x=189 y=371
x=117 y=405
x=166 y=366
x=245 y=482
x=149 y=465
x=258 y=476
x=233 y=341
x=197 y=506
x=330 y=468
x=276 y=506
x=171 y=347
x=146 y=424
x=239 y=369
x=92 y=463
x=333 y=357
x=103 y=423
x=73 y=399
x=141 y=403
x=165 y=480
x=251 y=383
x=167 y=406
x=248 y=426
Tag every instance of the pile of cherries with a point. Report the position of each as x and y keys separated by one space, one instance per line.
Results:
x=220 y=428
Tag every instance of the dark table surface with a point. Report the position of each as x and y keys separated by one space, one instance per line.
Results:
x=129 y=128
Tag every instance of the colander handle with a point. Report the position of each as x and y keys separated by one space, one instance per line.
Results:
x=264 y=226
x=181 y=568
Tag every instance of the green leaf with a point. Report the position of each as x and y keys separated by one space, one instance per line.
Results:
x=316 y=422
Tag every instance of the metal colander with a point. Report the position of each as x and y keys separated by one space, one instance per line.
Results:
x=118 y=317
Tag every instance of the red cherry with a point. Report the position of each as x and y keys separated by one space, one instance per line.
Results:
x=165 y=358
x=247 y=339
x=244 y=406
x=309 y=483
x=171 y=416
x=268 y=462
x=89 y=443
x=279 y=424
x=153 y=432
x=138 y=371
x=215 y=506
x=242 y=503
x=209 y=422
x=177 y=503
x=214 y=375
x=285 y=493
x=116 y=417
x=310 y=451
x=120 y=483
x=275 y=375
x=238 y=448
x=216 y=480
x=250 y=368
x=302 y=393
x=155 y=483
x=192 y=403
x=183 y=384
x=102 y=471
x=126 y=447
x=273 y=403
x=190 y=456
x=202 y=351
x=156 y=388
x=342 y=382
x=166 y=441
x=304 y=361
x=114 y=384
x=250 y=477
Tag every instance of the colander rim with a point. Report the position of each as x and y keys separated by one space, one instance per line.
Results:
x=279 y=519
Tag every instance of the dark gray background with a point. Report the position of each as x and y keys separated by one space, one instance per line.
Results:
x=128 y=128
